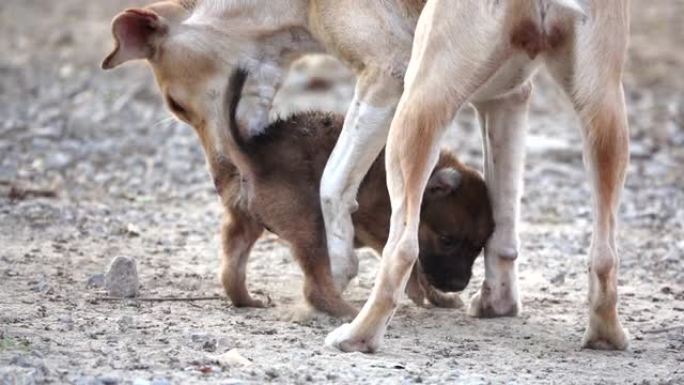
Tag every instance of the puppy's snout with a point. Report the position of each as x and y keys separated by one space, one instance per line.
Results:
x=457 y=285
x=449 y=285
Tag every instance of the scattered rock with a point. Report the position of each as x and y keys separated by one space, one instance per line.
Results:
x=558 y=279
x=160 y=381
x=154 y=381
x=108 y=379
x=233 y=358
x=96 y=281
x=18 y=376
x=57 y=160
x=124 y=323
x=210 y=345
x=39 y=284
x=271 y=373
x=132 y=230
x=121 y=278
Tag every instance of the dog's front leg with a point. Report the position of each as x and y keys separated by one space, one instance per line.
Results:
x=504 y=124
x=267 y=77
x=363 y=136
x=442 y=74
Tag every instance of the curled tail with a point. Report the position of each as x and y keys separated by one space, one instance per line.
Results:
x=232 y=100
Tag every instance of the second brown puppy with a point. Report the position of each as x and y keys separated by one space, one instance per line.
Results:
x=280 y=173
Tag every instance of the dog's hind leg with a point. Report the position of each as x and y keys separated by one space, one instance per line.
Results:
x=504 y=125
x=239 y=232
x=363 y=137
x=457 y=48
x=591 y=73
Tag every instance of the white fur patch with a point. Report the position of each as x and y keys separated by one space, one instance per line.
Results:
x=578 y=6
x=363 y=136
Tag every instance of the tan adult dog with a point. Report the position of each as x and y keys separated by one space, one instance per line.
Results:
x=192 y=46
x=479 y=51
x=485 y=52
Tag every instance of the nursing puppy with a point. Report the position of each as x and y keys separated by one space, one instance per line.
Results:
x=281 y=170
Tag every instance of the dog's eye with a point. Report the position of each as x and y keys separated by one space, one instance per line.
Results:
x=449 y=241
x=175 y=106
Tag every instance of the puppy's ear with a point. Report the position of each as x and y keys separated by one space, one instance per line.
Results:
x=135 y=33
x=443 y=182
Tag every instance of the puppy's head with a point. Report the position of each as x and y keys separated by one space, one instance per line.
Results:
x=192 y=55
x=456 y=221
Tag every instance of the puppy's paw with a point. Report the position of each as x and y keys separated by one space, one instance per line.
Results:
x=249 y=301
x=345 y=339
x=445 y=300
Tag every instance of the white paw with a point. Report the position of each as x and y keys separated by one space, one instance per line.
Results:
x=345 y=339
x=605 y=335
x=489 y=304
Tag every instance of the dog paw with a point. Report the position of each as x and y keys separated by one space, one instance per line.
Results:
x=345 y=339
x=487 y=304
x=605 y=336
x=248 y=301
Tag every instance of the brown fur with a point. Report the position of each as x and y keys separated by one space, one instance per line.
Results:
x=281 y=171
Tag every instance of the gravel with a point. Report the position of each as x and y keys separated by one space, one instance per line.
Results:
x=128 y=181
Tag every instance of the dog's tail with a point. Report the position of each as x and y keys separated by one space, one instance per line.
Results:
x=232 y=100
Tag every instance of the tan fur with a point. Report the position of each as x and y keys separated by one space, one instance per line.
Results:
x=193 y=45
x=471 y=51
x=466 y=50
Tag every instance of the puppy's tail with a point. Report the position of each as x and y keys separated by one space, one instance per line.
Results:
x=232 y=100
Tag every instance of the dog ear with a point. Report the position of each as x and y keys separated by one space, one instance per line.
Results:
x=443 y=182
x=134 y=32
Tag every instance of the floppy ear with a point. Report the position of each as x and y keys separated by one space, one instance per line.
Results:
x=134 y=31
x=443 y=182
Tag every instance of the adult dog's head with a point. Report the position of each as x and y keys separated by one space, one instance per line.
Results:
x=193 y=46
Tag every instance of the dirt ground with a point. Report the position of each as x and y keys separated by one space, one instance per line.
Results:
x=132 y=182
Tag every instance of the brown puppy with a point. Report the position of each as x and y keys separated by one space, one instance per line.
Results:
x=281 y=170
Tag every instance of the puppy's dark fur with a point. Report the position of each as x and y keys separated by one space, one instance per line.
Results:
x=280 y=173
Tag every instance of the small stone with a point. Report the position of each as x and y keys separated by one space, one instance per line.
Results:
x=18 y=375
x=210 y=345
x=233 y=358
x=271 y=373
x=132 y=230
x=558 y=279
x=121 y=278
x=57 y=160
x=96 y=281
x=124 y=323
x=108 y=379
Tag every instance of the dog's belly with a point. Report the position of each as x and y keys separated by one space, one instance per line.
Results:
x=532 y=36
x=509 y=78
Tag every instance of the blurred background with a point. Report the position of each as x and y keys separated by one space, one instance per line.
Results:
x=92 y=166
